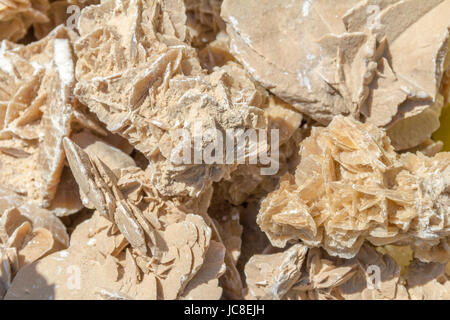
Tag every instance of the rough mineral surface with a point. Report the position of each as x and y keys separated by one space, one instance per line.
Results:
x=370 y=275
x=136 y=138
x=203 y=21
x=129 y=48
x=347 y=57
x=350 y=186
x=169 y=237
x=37 y=110
x=17 y=16
x=36 y=114
x=27 y=234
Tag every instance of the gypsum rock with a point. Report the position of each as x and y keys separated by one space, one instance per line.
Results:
x=39 y=217
x=94 y=145
x=321 y=277
x=216 y=53
x=271 y=276
x=427 y=281
x=226 y=220
x=350 y=58
x=61 y=12
x=91 y=264
x=246 y=181
x=98 y=254
x=297 y=273
x=16 y=16
x=26 y=235
x=254 y=241
x=148 y=83
x=151 y=223
x=368 y=276
x=379 y=278
x=351 y=186
x=203 y=21
x=105 y=148
x=36 y=111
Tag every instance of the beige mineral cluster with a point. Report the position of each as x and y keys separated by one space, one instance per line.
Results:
x=172 y=238
x=351 y=186
x=226 y=220
x=246 y=182
x=17 y=16
x=136 y=73
x=299 y=273
x=351 y=57
x=203 y=21
x=110 y=270
x=27 y=234
x=35 y=114
x=272 y=276
x=61 y=12
x=37 y=110
x=106 y=105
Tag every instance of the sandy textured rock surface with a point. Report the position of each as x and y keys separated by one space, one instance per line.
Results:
x=162 y=88
x=17 y=16
x=272 y=276
x=224 y=149
x=27 y=234
x=351 y=186
x=38 y=111
x=357 y=58
x=169 y=235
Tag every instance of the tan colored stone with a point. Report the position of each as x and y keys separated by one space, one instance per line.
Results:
x=350 y=185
